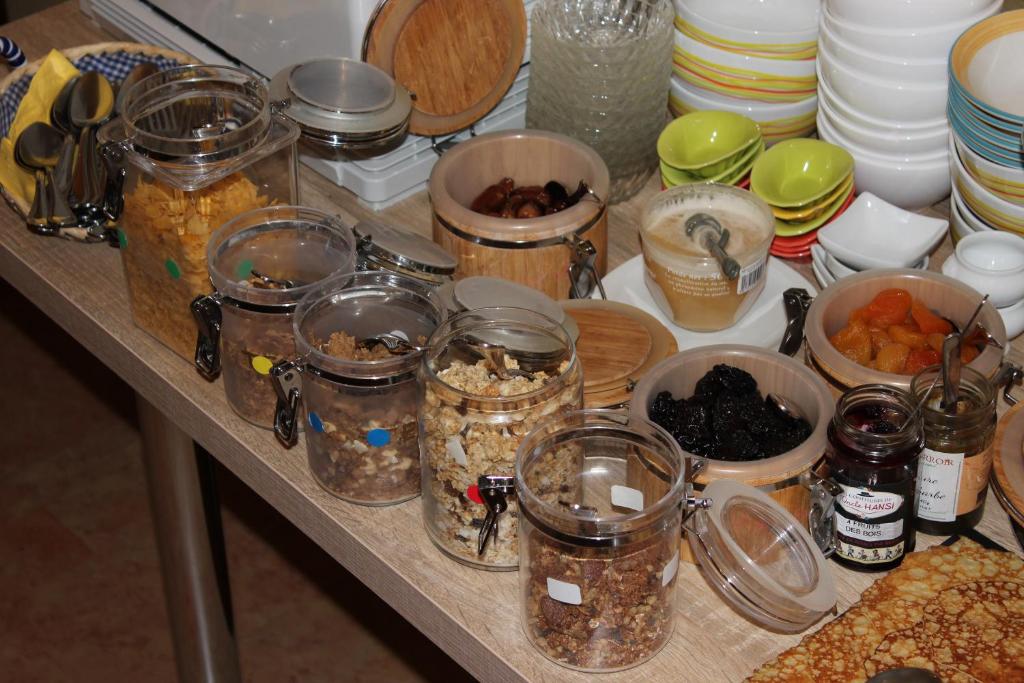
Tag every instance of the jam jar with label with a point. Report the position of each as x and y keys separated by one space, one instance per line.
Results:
x=875 y=439
x=952 y=475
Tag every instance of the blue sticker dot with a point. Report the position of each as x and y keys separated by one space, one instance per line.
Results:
x=378 y=437
x=315 y=423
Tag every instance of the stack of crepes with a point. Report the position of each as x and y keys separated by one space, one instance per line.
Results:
x=55 y=71
x=957 y=611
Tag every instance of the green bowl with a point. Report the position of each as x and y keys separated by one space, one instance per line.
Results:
x=798 y=171
x=705 y=138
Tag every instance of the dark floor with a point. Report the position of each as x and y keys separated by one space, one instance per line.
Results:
x=80 y=588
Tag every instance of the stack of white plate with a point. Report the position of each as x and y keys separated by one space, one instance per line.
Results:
x=750 y=57
x=882 y=88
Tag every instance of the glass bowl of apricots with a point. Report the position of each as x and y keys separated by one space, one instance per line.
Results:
x=884 y=326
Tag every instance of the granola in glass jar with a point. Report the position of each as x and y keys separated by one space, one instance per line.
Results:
x=472 y=424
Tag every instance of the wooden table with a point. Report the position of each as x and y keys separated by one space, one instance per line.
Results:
x=472 y=615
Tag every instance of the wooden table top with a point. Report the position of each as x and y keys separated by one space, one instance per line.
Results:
x=472 y=615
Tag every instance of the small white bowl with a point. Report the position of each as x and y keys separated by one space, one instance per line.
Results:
x=1011 y=215
x=884 y=140
x=1013 y=319
x=912 y=14
x=880 y=66
x=958 y=227
x=754 y=22
x=992 y=175
x=993 y=263
x=907 y=185
x=883 y=98
x=732 y=62
x=928 y=155
x=826 y=93
x=971 y=219
x=837 y=267
x=872 y=233
x=918 y=42
x=762 y=112
x=821 y=272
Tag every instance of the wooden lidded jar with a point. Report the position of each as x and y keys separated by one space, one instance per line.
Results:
x=545 y=253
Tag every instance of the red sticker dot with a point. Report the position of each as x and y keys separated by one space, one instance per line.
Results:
x=473 y=493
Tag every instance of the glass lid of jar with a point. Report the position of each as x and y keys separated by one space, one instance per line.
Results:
x=339 y=96
x=196 y=114
x=274 y=255
x=759 y=558
x=403 y=248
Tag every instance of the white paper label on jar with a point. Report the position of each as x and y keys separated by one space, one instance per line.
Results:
x=938 y=485
x=750 y=276
x=625 y=497
x=455 y=451
x=867 y=531
x=563 y=591
x=669 y=572
x=868 y=504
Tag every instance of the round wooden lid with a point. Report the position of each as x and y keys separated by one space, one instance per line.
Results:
x=458 y=58
x=1008 y=462
x=618 y=343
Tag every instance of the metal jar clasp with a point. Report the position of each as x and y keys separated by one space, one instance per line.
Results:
x=493 y=491
x=288 y=387
x=206 y=311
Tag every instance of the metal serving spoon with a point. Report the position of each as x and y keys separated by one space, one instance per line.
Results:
x=92 y=102
x=392 y=342
x=39 y=148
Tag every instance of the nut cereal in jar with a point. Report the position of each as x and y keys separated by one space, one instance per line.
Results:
x=489 y=376
x=261 y=265
x=359 y=340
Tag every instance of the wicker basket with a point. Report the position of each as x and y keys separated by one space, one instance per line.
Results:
x=113 y=60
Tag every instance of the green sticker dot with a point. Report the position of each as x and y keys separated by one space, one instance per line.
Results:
x=172 y=268
x=122 y=239
x=244 y=269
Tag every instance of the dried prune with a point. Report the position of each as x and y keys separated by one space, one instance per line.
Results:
x=728 y=419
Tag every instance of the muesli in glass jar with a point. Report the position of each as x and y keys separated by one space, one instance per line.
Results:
x=602 y=497
x=489 y=376
x=359 y=340
x=261 y=264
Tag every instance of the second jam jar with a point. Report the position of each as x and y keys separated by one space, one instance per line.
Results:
x=875 y=439
x=952 y=476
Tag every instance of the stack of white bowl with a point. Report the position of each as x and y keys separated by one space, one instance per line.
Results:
x=882 y=84
x=750 y=57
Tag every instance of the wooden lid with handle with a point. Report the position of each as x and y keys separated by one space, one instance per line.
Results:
x=457 y=57
x=618 y=343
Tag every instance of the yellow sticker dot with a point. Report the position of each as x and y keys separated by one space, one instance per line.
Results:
x=262 y=364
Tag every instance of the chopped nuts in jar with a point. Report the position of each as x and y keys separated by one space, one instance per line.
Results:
x=461 y=442
x=624 y=610
x=362 y=449
x=164 y=232
x=251 y=344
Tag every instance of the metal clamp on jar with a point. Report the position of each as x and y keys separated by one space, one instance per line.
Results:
x=261 y=264
x=600 y=495
x=358 y=340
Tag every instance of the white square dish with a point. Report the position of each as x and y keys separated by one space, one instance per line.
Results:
x=873 y=233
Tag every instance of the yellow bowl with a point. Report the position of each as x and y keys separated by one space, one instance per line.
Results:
x=787 y=229
x=744 y=78
x=814 y=209
x=742 y=93
x=707 y=143
x=798 y=171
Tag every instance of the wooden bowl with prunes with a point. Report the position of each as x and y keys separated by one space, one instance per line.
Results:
x=758 y=416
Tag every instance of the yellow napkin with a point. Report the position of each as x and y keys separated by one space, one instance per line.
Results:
x=35 y=106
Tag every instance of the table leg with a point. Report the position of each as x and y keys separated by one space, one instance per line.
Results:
x=197 y=603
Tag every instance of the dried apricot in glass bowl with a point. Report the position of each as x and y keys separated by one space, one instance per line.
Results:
x=852 y=321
